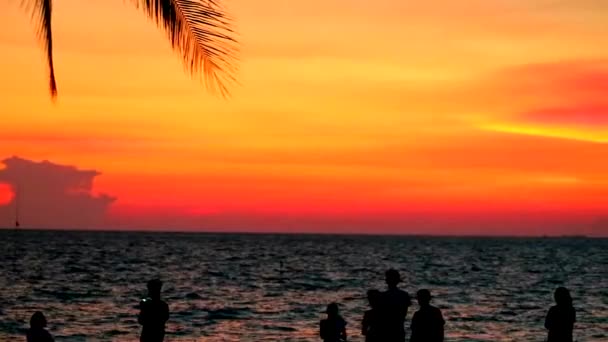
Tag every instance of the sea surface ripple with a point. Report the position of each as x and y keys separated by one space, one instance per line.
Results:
x=232 y=287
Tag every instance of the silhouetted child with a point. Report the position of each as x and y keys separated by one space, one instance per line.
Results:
x=372 y=319
x=333 y=328
x=36 y=332
x=427 y=323
x=153 y=315
x=394 y=306
x=561 y=317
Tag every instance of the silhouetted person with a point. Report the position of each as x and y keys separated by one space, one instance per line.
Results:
x=561 y=317
x=36 y=332
x=153 y=315
x=395 y=303
x=333 y=328
x=427 y=323
x=371 y=327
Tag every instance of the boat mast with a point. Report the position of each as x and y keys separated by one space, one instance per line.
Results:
x=17 y=198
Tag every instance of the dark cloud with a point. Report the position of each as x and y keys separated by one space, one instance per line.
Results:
x=53 y=195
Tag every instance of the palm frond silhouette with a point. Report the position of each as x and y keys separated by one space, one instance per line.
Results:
x=199 y=31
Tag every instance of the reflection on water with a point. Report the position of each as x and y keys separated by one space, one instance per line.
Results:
x=231 y=288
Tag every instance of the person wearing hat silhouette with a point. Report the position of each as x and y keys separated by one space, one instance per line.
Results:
x=36 y=332
x=333 y=328
x=154 y=314
x=427 y=323
x=395 y=303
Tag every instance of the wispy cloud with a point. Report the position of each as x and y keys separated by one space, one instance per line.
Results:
x=584 y=116
x=561 y=100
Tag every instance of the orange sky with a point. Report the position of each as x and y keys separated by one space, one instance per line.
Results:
x=379 y=115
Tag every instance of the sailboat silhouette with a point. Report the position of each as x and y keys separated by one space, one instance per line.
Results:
x=17 y=198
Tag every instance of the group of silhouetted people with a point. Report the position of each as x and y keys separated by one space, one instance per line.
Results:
x=383 y=322
x=153 y=316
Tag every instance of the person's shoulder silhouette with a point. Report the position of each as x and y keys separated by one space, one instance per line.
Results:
x=427 y=322
x=37 y=331
x=153 y=314
x=333 y=328
x=561 y=317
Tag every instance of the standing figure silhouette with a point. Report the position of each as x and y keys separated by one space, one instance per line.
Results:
x=36 y=332
x=154 y=314
x=427 y=323
x=371 y=326
x=561 y=317
x=394 y=306
x=333 y=328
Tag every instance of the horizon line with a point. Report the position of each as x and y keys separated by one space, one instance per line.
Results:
x=362 y=234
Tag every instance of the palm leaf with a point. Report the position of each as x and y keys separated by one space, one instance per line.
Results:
x=42 y=14
x=202 y=34
x=198 y=30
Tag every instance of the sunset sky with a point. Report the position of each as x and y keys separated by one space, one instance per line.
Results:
x=385 y=116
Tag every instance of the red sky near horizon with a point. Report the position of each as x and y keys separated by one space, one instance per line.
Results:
x=352 y=116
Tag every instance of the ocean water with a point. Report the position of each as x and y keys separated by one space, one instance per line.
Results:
x=233 y=288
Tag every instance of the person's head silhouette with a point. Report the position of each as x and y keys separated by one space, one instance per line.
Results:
x=332 y=310
x=424 y=297
x=154 y=288
x=38 y=321
x=562 y=296
x=373 y=297
x=392 y=278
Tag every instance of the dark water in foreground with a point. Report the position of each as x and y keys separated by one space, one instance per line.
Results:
x=229 y=287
